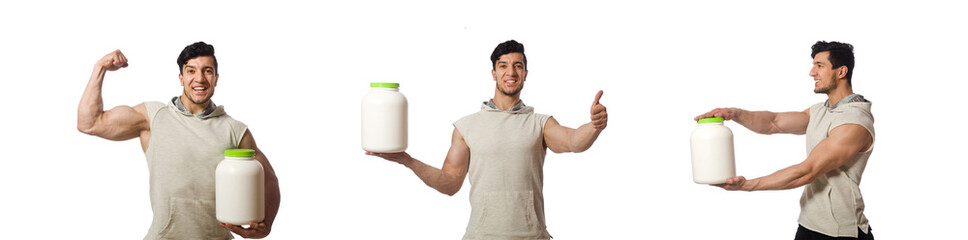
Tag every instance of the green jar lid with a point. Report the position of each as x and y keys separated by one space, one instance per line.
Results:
x=711 y=120
x=384 y=85
x=239 y=153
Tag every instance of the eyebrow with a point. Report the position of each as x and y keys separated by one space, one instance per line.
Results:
x=193 y=66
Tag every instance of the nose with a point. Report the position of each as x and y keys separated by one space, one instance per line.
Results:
x=813 y=71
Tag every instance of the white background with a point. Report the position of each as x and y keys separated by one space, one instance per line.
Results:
x=295 y=73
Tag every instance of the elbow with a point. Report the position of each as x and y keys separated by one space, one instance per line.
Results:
x=85 y=128
x=449 y=192
x=580 y=148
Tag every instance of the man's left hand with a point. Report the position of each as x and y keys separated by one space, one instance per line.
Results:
x=733 y=184
x=599 y=114
x=255 y=230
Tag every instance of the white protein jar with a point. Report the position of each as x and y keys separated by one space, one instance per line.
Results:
x=239 y=188
x=384 y=119
x=713 y=160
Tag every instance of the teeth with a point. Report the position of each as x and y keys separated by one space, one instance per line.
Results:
x=199 y=88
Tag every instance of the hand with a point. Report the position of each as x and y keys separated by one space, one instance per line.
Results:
x=400 y=157
x=733 y=184
x=113 y=61
x=255 y=230
x=599 y=113
x=725 y=113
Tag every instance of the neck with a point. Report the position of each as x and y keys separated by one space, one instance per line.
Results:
x=192 y=107
x=505 y=102
x=838 y=94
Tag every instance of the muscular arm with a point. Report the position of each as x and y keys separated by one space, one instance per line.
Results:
x=561 y=139
x=764 y=122
x=449 y=178
x=119 y=123
x=260 y=230
x=844 y=143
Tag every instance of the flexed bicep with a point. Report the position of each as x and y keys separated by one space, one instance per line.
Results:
x=118 y=124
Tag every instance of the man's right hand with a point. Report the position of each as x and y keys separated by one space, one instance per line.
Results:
x=113 y=61
x=725 y=113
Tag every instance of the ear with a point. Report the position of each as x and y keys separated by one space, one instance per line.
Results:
x=842 y=72
x=494 y=74
x=180 y=82
x=525 y=77
x=215 y=82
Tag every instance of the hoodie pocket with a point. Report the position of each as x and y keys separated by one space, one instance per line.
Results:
x=508 y=212
x=191 y=219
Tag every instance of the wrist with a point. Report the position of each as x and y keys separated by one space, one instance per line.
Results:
x=751 y=185
x=735 y=113
x=407 y=162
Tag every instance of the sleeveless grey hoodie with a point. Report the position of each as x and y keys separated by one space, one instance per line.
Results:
x=505 y=172
x=182 y=154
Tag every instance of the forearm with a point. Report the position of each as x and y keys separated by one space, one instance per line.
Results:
x=787 y=178
x=272 y=199
x=583 y=138
x=757 y=121
x=91 y=106
x=434 y=177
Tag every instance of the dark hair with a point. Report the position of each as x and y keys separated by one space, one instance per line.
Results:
x=841 y=54
x=195 y=50
x=509 y=46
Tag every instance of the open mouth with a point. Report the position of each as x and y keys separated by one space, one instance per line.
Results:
x=511 y=82
x=199 y=90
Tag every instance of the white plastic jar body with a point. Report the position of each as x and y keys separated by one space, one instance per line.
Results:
x=239 y=191
x=384 y=121
x=713 y=159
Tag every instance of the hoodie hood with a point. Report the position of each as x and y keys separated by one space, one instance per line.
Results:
x=518 y=108
x=210 y=111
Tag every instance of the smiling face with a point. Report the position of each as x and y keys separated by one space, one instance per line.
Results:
x=509 y=73
x=199 y=78
x=825 y=77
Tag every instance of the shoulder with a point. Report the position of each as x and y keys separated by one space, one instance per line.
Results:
x=542 y=117
x=857 y=113
x=152 y=105
x=150 y=108
x=235 y=123
x=817 y=107
x=468 y=118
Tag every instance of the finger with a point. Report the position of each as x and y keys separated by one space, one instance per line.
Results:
x=599 y=118
x=701 y=116
x=599 y=108
x=598 y=96
x=713 y=113
x=597 y=122
x=234 y=228
x=255 y=230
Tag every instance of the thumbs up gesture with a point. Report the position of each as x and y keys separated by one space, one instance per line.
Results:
x=599 y=114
